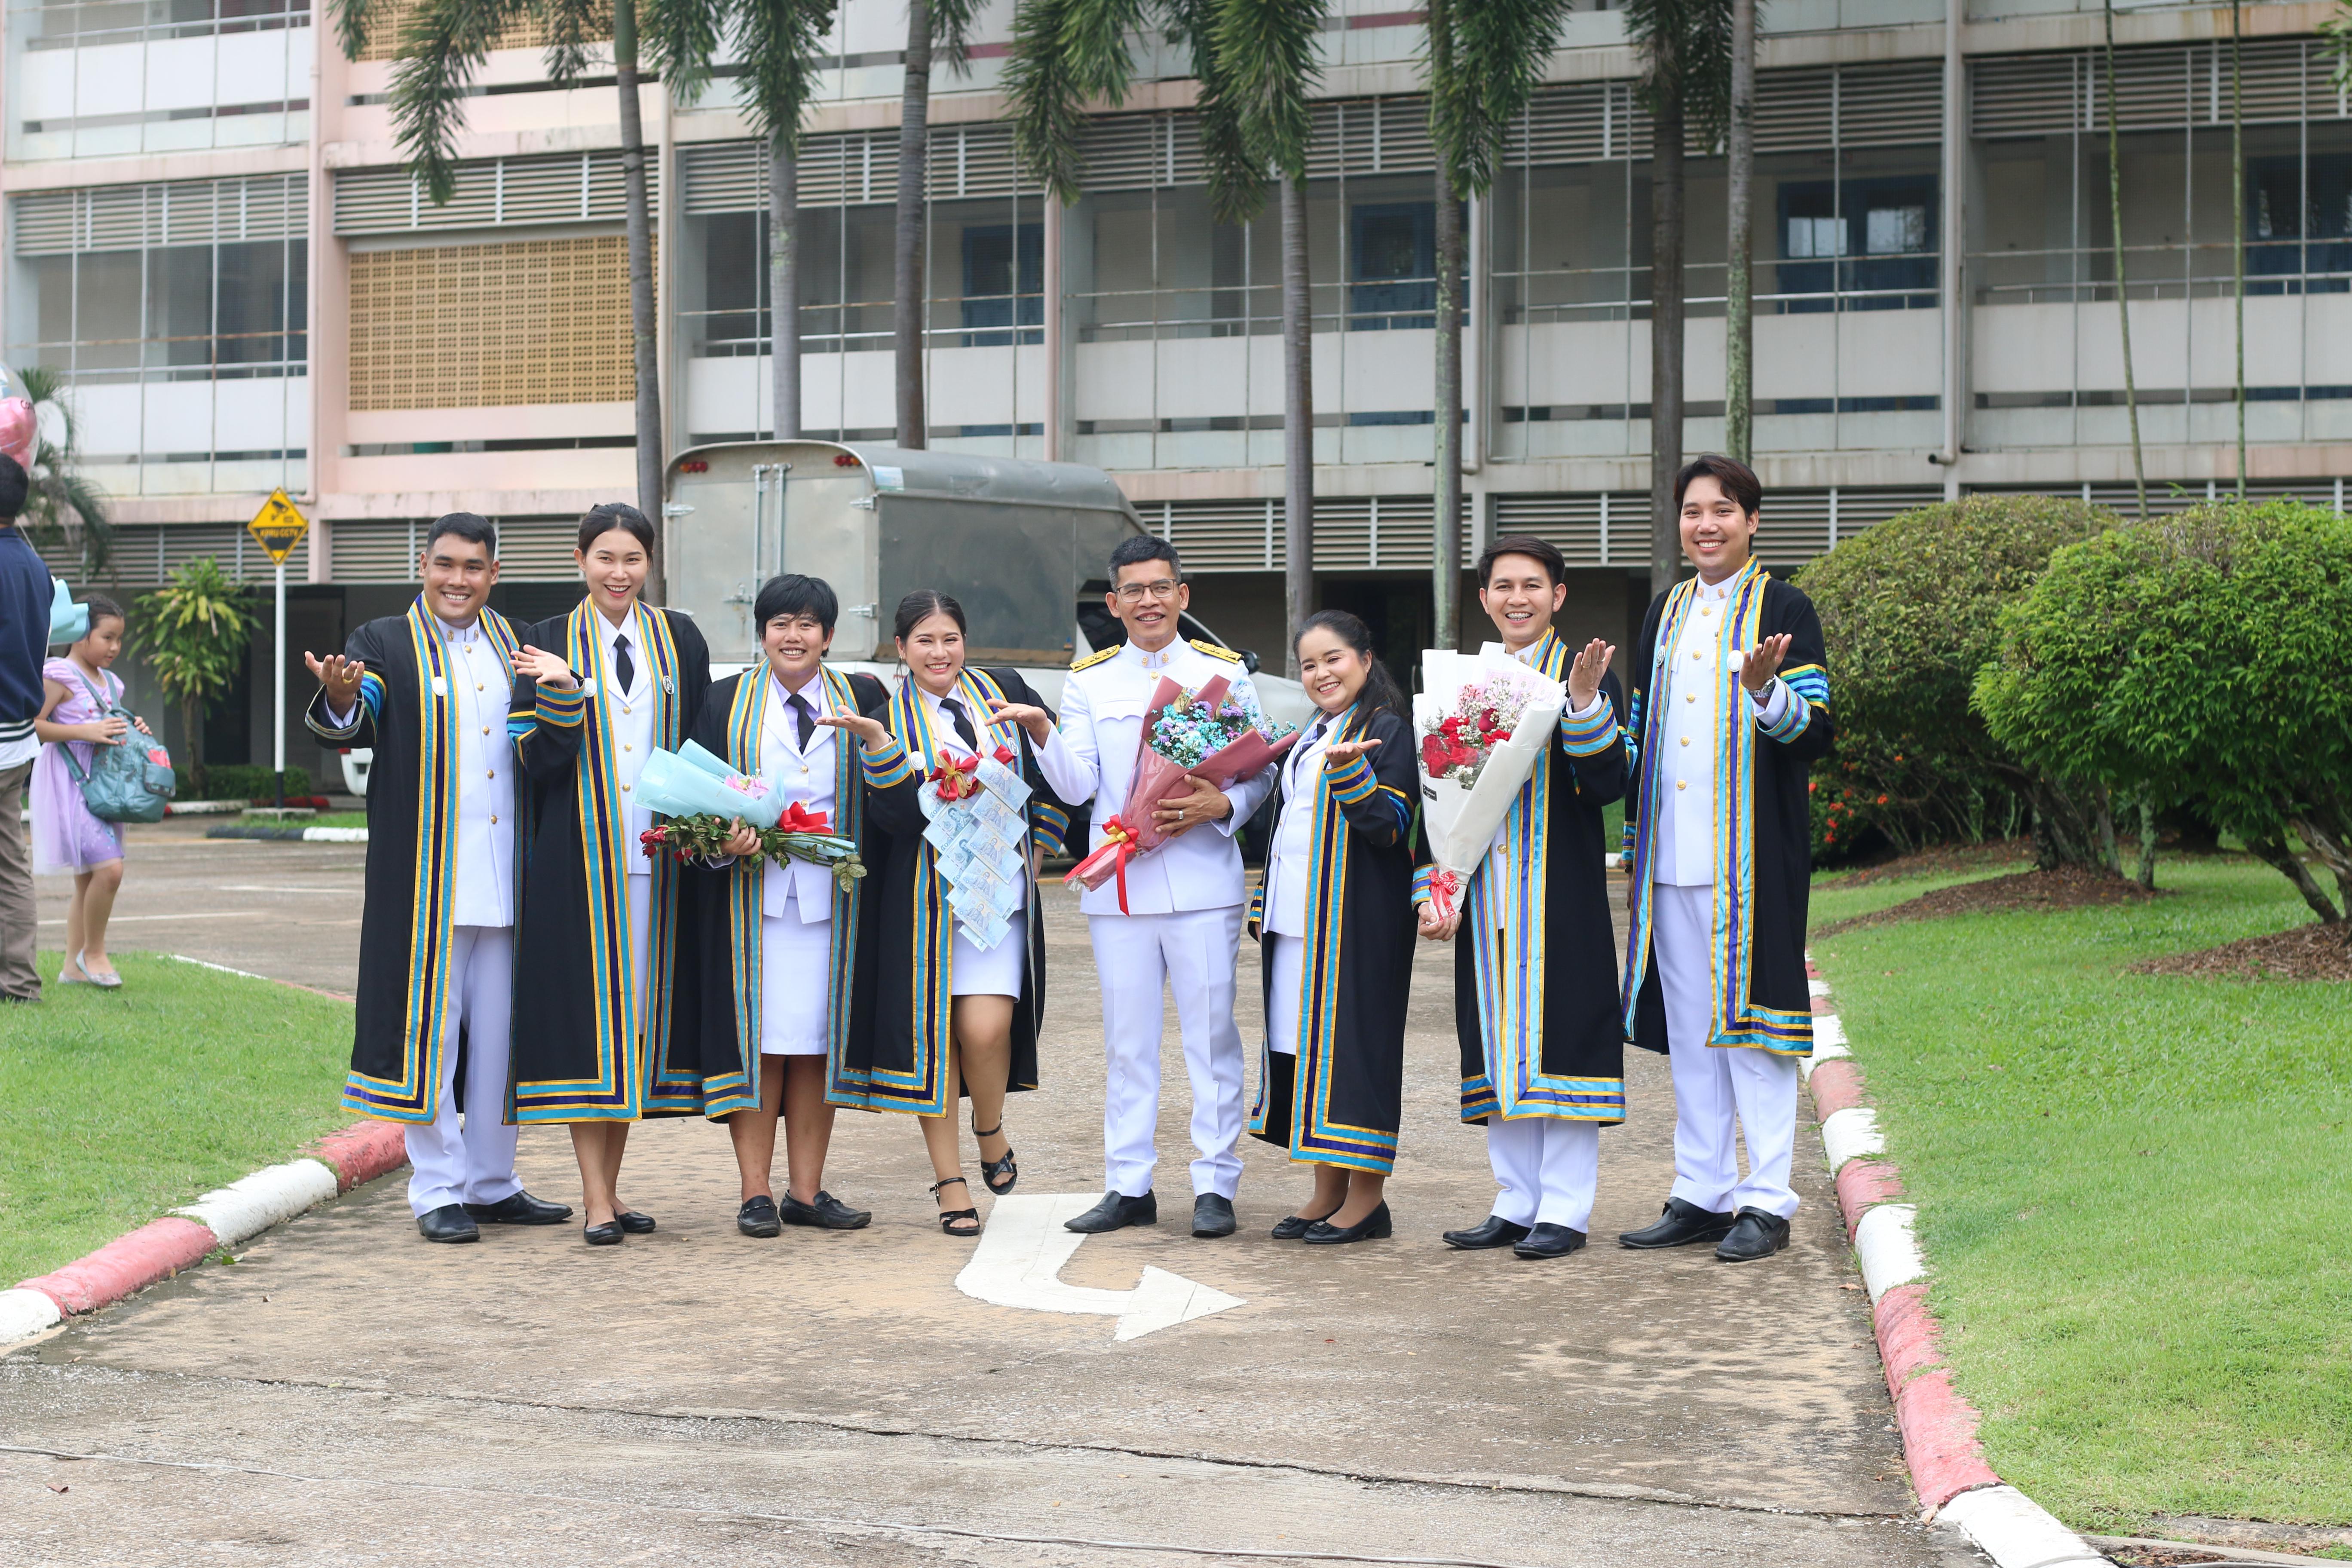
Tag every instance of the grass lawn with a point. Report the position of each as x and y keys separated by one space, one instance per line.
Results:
x=2132 y=1192
x=116 y=1106
x=332 y=819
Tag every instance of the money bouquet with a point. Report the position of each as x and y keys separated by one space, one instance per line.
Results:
x=1483 y=720
x=702 y=797
x=979 y=835
x=1210 y=734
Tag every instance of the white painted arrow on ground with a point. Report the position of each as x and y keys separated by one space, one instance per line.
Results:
x=1019 y=1264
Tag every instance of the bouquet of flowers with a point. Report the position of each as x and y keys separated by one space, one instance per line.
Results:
x=1210 y=734
x=702 y=797
x=1483 y=718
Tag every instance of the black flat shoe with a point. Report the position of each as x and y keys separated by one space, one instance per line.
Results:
x=1494 y=1231
x=992 y=1170
x=1679 y=1224
x=757 y=1217
x=1116 y=1211
x=633 y=1222
x=950 y=1219
x=1754 y=1234
x=828 y=1213
x=605 y=1234
x=1213 y=1215
x=520 y=1208
x=447 y=1223
x=1549 y=1241
x=1297 y=1225
x=1373 y=1227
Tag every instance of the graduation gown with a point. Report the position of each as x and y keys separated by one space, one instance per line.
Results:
x=406 y=713
x=1339 y=1100
x=727 y=966
x=900 y=1064
x=1535 y=965
x=583 y=1052
x=1763 y=838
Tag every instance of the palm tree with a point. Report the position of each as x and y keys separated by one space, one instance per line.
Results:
x=61 y=507
x=192 y=633
x=1739 y=305
x=2122 y=292
x=1485 y=58
x=1685 y=50
x=1255 y=63
x=944 y=26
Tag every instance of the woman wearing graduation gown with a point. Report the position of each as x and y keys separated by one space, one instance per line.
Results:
x=607 y=1037
x=952 y=1018
x=1336 y=929
x=787 y=975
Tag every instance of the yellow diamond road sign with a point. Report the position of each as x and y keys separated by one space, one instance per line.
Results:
x=278 y=527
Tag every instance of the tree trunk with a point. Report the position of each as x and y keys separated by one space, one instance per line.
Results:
x=2147 y=845
x=192 y=729
x=2333 y=848
x=643 y=324
x=2274 y=853
x=785 y=288
x=906 y=256
x=1665 y=334
x=1738 y=314
x=2066 y=831
x=1445 y=565
x=1297 y=422
x=2238 y=224
x=2123 y=294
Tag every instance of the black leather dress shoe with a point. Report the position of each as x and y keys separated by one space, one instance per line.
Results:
x=1296 y=1227
x=1495 y=1231
x=1679 y=1223
x=828 y=1213
x=1116 y=1211
x=757 y=1217
x=633 y=1222
x=605 y=1234
x=1549 y=1241
x=447 y=1223
x=1753 y=1236
x=1374 y=1227
x=520 y=1208
x=1213 y=1215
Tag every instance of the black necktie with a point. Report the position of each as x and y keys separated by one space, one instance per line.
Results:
x=1316 y=733
x=962 y=722
x=623 y=666
x=807 y=716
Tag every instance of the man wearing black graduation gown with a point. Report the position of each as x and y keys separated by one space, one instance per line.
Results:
x=1731 y=710
x=428 y=691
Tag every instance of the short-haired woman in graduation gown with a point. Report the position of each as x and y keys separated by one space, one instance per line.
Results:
x=947 y=1008
x=605 y=1038
x=787 y=971
x=1336 y=929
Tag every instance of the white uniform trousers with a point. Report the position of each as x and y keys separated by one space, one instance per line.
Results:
x=1548 y=1168
x=640 y=896
x=474 y=1164
x=1714 y=1086
x=1192 y=953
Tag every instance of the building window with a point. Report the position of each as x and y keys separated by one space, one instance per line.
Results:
x=1857 y=244
x=1392 y=266
x=2299 y=223
x=1003 y=282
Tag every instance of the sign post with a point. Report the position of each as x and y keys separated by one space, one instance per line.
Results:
x=278 y=527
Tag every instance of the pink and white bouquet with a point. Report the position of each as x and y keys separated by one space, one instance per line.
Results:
x=1484 y=719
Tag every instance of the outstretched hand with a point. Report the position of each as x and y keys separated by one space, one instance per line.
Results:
x=1028 y=715
x=338 y=677
x=869 y=731
x=1584 y=674
x=546 y=669
x=1763 y=662
x=1342 y=752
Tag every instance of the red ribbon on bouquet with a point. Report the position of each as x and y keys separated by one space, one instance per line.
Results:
x=954 y=780
x=798 y=818
x=1118 y=844
x=1445 y=893
x=1005 y=755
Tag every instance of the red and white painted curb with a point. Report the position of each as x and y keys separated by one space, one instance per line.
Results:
x=236 y=1213
x=1938 y=1426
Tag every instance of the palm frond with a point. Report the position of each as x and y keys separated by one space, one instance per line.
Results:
x=779 y=41
x=2337 y=32
x=1481 y=76
x=575 y=29
x=1265 y=53
x=679 y=37
x=351 y=18
x=1065 y=52
x=1684 y=48
x=1238 y=184
x=441 y=49
x=952 y=25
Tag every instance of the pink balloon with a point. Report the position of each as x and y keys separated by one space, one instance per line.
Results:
x=19 y=429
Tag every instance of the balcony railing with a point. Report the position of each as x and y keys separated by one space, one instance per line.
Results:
x=2202 y=270
x=85 y=23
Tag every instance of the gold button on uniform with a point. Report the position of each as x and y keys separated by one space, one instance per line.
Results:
x=1690 y=696
x=625 y=789
x=1682 y=784
x=1686 y=740
x=626 y=746
x=494 y=773
x=493 y=819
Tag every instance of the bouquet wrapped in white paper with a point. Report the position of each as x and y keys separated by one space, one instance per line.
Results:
x=1481 y=719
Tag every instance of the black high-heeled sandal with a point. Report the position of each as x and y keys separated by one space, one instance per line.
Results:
x=949 y=1218
x=992 y=1169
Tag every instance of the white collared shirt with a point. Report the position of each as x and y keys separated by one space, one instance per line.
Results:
x=1286 y=859
x=482 y=863
x=1102 y=724
x=629 y=718
x=806 y=778
x=1689 y=683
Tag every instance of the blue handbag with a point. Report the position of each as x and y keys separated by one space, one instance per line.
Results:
x=129 y=781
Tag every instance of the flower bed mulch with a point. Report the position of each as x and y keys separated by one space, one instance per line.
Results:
x=2064 y=887
x=1936 y=860
x=2313 y=951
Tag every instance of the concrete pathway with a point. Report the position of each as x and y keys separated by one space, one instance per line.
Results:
x=347 y=1392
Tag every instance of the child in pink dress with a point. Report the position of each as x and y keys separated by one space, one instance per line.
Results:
x=80 y=692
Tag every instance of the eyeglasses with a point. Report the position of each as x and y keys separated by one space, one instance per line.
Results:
x=1136 y=592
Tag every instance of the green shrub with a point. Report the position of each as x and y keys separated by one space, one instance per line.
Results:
x=230 y=780
x=1911 y=612
x=2202 y=656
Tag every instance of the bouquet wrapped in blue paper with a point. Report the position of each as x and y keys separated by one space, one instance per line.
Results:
x=703 y=797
